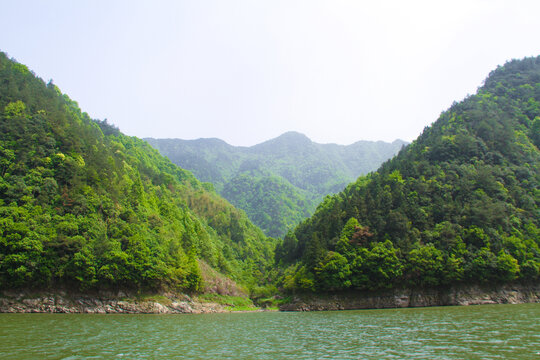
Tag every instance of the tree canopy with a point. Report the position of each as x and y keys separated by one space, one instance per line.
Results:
x=459 y=204
x=279 y=182
x=84 y=206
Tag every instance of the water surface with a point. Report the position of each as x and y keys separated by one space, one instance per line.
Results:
x=468 y=332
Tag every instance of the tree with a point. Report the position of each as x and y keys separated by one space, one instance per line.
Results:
x=14 y=109
x=333 y=272
x=507 y=267
x=382 y=265
x=425 y=266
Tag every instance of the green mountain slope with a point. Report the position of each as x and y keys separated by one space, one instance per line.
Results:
x=460 y=204
x=279 y=182
x=82 y=205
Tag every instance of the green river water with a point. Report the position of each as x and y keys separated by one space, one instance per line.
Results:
x=468 y=332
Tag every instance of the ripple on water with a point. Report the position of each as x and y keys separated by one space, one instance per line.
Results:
x=490 y=332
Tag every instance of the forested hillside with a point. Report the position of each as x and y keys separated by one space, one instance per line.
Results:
x=460 y=204
x=84 y=206
x=279 y=182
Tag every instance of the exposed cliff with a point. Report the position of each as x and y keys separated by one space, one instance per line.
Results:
x=106 y=303
x=399 y=298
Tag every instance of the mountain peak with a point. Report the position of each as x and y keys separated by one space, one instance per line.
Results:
x=290 y=139
x=293 y=135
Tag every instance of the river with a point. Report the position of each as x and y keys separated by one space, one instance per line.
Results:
x=467 y=332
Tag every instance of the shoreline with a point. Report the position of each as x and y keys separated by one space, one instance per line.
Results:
x=167 y=303
x=462 y=295
x=66 y=303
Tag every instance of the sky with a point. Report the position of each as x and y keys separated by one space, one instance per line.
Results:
x=246 y=71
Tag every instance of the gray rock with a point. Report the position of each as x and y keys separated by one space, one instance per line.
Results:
x=459 y=295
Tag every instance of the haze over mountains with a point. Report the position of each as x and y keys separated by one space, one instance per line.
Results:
x=280 y=181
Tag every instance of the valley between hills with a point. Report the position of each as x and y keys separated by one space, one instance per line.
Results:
x=89 y=215
x=280 y=182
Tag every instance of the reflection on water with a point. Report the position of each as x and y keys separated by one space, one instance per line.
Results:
x=473 y=332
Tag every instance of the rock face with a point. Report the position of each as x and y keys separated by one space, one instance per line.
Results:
x=108 y=303
x=398 y=298
x=102 y=304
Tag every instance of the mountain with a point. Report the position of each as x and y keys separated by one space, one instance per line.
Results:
x=84 y=206
x=279 y=182
x=458 y=205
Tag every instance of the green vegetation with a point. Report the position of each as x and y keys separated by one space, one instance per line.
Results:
x=270 y=201
x=84 y=206
x=279 y=182
x=232 y=303
x=163 y=300
x=460 y=204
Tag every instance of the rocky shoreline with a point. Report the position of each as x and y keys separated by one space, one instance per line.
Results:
x=400 y=298
x=23 y=302
x=120 y=303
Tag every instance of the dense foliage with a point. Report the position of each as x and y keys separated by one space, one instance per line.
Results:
x=82 y=205
x=279 y=182
x=460 y=204
x=268 y=200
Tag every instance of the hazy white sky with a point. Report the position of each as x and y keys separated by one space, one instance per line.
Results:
x=246 y=71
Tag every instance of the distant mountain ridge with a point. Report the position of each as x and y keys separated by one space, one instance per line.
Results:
x=280 y=181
